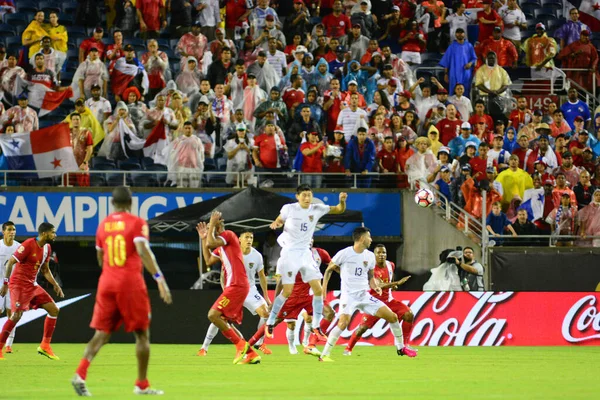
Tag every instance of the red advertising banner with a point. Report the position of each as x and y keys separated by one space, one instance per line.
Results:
x=487 y=319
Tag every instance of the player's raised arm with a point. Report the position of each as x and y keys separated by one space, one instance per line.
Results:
x=341 y=207
x=209 y=258
x=213 y=241
x=278 y=223
x=149 y=261
x=50 y=278
x=9 y=266
x=372 y=282
x=327 y=275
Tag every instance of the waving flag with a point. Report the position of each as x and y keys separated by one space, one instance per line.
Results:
x=156 y=143
x=40 y=96
x=533 y=203
x=589 y=12
x=47 y=150
x=124 y=73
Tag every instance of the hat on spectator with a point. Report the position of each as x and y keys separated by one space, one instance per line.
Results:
x=93 y=48
x=276 y=89
x=541 y=26
x=560 y=135
x=298 y=2
x=579 y=118
x=466 y=125
x=499 y=122
x=251 y=76
x=444 y=169
x=220 y=30
x=466 y=167
x=95 y=86
x=401 y=139
x=313 y=133
x=197 y=24
x=442 y=91
x=98 y=30
x=376 y=54
x=300 y=49
x=549 y=181
x=405 y=93
x=470 y=144
x=543 y=126
x=498 y=28
x=387 y=66
x=584 y=132
x=523 y=135
x=585 y=32
x=353 y=82
x=392 y=82
x=204 y=99
x=262 y=54
x=539 y=113
x=356 y=25
x=567 y=154
x=364 y=2
x=128 y=47
x=240 y=127
x=339 y=49
x=540 y=160
x=444 y=149
x=490 y=170
x=79 y=102
x=587 y=149
x=338 y=130
x=22 y=96
x=269 y=18
x=396 y=8
x=129 y=90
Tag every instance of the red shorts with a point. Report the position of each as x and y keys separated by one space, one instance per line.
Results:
x=25 y=298
x=398 y=307
x=294 y=306
x=231 y=303
x=112 y=309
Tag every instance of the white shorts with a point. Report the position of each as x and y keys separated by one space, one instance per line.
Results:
x=254 y=300
x=411 y=57
x=4 y=301
x=297 y=260
x=361 y=301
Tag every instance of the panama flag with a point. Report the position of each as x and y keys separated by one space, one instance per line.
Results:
x=47 y=150
x=41 y=96
x=123 y=73
x=589 y=12
x=156 y=143
x=533 y=203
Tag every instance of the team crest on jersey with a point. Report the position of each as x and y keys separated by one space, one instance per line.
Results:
x=310 y=218
x=251 y=265
x=290 y=274
x=17 y=304
x=365 y=263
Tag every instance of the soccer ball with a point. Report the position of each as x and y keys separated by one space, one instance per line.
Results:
x=424 y=198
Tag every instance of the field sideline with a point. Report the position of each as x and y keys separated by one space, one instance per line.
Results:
x=370 y=373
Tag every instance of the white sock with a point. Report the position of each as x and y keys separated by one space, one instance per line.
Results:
x=11 y=337
x=277 y=304
x=210 y=335
x=261 y=322
x=332 y=339
x=307 y=331
x=290 y=338
x=397 y=332
x=317 y=310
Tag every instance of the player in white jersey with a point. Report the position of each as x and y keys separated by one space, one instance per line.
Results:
x=8 y=246
x=299 y=221
x=255 y=302
x=355 y=265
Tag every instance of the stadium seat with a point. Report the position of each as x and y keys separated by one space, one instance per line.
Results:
x=26 y=6
x=162 y=177
x=17 y=18
x=473 y=33
x=66 y=76
x=553 y=25
x=13 y=41
x=131 y=164
x=530 y=3
x=553 y=3
x=42 y=182
x=210 y=165
x=73 y=55
x=147 y=162
x=545 y=13
x=116 y=179
x=173 y=43
x=163 y=44
x=97 y=180
x=7 y=30
x=222 y=164
x=144 y=180
x=50 y=6
x=70 y=8
x=76 y=31
x=529 y=8
x=103 y=164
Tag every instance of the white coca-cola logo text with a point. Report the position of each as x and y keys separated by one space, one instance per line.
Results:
x=582 y=315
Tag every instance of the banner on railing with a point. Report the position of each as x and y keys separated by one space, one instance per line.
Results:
x=441 y=319
x=78 y=214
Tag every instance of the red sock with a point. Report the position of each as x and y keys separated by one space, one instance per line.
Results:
x=142 y=384
x=231 y=335
x=352 y=342
x=312 y=340
x=406 y=330
x=84 y=364
x=256 y=337
x=324 y=325
x=8 y=326
x=49 y=325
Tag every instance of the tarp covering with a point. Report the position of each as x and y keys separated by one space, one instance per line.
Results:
x=251 y=208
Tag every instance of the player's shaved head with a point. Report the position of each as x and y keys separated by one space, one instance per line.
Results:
x=121 y=197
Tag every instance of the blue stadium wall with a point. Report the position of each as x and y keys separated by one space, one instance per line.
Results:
x=77 y=213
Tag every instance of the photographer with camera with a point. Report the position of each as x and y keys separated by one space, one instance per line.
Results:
x=470 y=271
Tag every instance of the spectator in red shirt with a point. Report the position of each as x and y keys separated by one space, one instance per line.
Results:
x=522 y=148
x=388 y=164
x=480 y=114
x=115 y=50
x=236 y=13
x=577 y=145
x=488 y=18
x=266 y=149
x=293 y=95
x=312 y=161
x=480 y=162
x=336 y=24
x=152 y=16
x=521 y=115
x=94 y=41
x=449 y=127
x=332 y=104
x=413 y=43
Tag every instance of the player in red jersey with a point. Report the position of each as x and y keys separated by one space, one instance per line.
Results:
x=384 y=273
x=229 y=307
x=32 y=256
x=121 y=248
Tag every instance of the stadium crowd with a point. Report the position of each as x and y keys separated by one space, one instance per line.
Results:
x=396 y=91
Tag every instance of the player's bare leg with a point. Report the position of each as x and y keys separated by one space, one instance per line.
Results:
x=99 y=339
x=278 y=302
x=11 y=336
x=49 y=325
x=355 y=337
x=260 y=333
x=9 y=325
x=317 y=289
x=333 y=337
x=241 y=345
x=142 y=352
x=263 y=313
x=387 y=314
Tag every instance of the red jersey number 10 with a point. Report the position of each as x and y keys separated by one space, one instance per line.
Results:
x=117 y=253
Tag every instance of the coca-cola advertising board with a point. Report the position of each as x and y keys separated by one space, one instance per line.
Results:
x=489 y=319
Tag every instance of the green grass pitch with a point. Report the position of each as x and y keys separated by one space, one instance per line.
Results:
x=370 y=373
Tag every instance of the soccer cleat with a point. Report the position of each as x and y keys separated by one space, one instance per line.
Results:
x=293 y=350
x=9 y=349
x=321 y=337
x=80 y=386
x=251 y=357
x=46 y=350
x=202 y=353
x=263 y=347
x=312 y=351
x=269 y=331
x=325 y=359
x=407 y=351
x=241 y=352
x=347 y=352
x=148 y=391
